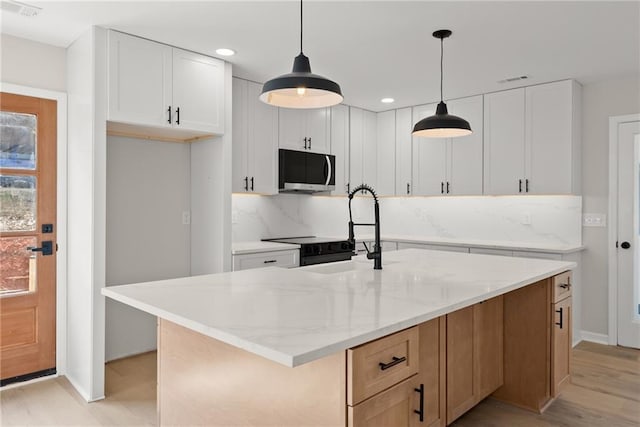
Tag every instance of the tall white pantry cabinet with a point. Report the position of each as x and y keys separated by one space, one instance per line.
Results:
x=127 y=91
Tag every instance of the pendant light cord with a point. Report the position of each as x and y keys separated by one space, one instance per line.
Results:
x=441 y=60
x=300 y=26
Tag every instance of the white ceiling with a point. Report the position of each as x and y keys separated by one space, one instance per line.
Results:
x=375 y=49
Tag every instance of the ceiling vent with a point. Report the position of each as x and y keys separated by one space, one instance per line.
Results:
x=513 y=79
x=19 y=8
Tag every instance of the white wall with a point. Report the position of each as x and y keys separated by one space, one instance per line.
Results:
x=147 y=192
x=555 y=220
x=33 y=64
x=601 y=100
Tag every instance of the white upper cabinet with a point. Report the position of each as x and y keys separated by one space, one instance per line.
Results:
x=198 y=91
x=504 y=142
x=363 y=148
x=305 y=129
x=340 y=147
x=255 y=141
x=151 y=84
x=404 y=146
x=552 y=138
x=449 y=166
x=532 y=140
x=386 y=155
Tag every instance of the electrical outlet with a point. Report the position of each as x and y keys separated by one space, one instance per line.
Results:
x=186 y=217
x=594 y=220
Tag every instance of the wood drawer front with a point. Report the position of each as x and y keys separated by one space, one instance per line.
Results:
x=393 y=407
x=287 y=259
x=366 y=376
x=562 y=284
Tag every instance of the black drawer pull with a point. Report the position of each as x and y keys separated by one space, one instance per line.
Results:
x=421 y=411
x=270 y=261
x=394 y=362
x=559 y=323
x=565 y=285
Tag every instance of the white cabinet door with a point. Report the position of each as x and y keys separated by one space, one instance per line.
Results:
x=140 y=76
x=318 y=130
x=504 y=142
x=404 y=127
x=263 y=143
x=198 y=92
x=240 y=153
x=255 y=141
x=340 y=147
x=356 y=137
x=305 y=129
x=386 y=142
x=549 y=110
x=370 y=149
x=429 y=158
x=464 y=160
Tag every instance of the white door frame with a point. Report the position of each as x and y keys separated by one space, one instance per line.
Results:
x=61 y=208
x=614 y=123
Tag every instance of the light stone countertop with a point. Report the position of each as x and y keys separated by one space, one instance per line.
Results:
x=294 y=316
x=240 y=248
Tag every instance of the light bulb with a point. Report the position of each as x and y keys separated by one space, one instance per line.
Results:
x=301 y=91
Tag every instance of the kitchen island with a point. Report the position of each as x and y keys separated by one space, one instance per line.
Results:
x=332 y=344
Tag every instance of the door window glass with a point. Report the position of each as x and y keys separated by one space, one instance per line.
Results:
x=17 y=140
x=17 y=265
x=17 y=203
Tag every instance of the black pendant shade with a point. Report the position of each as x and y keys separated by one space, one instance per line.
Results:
x=301 y=88
x=442 y=124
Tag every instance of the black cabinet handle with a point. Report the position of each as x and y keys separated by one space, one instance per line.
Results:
x=526 y=185
x=348 y=187
x=519 y=186
x=305 y=142
x=421 y=411
x=408 y=188
x=447 y=187
x=169 y=111
x=309 y=143
x=251 y=183
x=178 y=115
x=441 y=187
x=270 y=261
x=246 y=183
x=394 y=362
x=559 y=323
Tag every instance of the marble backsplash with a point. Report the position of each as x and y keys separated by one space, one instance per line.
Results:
x=546 y=221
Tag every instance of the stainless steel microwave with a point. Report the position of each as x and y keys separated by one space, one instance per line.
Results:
x=305 y=172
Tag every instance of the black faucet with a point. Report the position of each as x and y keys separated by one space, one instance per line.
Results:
x=376 y=254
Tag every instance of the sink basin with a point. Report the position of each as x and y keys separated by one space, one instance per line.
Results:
x=342 y=267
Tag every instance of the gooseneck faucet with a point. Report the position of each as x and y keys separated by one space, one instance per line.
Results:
x=376 y=254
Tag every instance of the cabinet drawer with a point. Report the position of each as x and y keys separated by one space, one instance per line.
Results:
x=398 y=406
x=287 y=259
x=378 y=365
x=562 y=286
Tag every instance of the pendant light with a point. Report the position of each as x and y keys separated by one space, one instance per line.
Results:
x=442 y=124
x=301 y=88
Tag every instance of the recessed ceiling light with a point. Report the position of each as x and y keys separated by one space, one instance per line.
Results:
x=225 y=52
x=387 y=100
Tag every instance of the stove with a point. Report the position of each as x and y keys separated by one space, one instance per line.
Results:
x=318 y=250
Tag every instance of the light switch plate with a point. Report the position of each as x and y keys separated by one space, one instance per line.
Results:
x=594 y=220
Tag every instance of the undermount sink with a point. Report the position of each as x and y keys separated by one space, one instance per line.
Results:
x=342 y=267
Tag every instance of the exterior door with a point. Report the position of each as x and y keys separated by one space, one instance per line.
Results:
x=628 y=231
x=27 y=236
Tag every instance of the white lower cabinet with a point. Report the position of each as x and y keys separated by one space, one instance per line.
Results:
x=286 y=259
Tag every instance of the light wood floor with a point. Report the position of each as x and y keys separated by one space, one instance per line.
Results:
x=605 y=392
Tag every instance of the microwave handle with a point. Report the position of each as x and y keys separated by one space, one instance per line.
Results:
x=330 y=172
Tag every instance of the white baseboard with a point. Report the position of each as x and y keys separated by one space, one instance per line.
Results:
x=594 y=337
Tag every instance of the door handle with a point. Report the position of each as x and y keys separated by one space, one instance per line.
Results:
x=309 y=143
x=408 y=188
x=519 y=186
x=178 y=115
x=441 y=187
x=560 y=312
x=251 y=183
x=329 y=170
x=526 y=185
x=447 y=187
x=46 y=248
x=420 y=412
x=169 y=111
x=246 y=183
x=394 y=360
x=305 y=142
x=625 y=245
